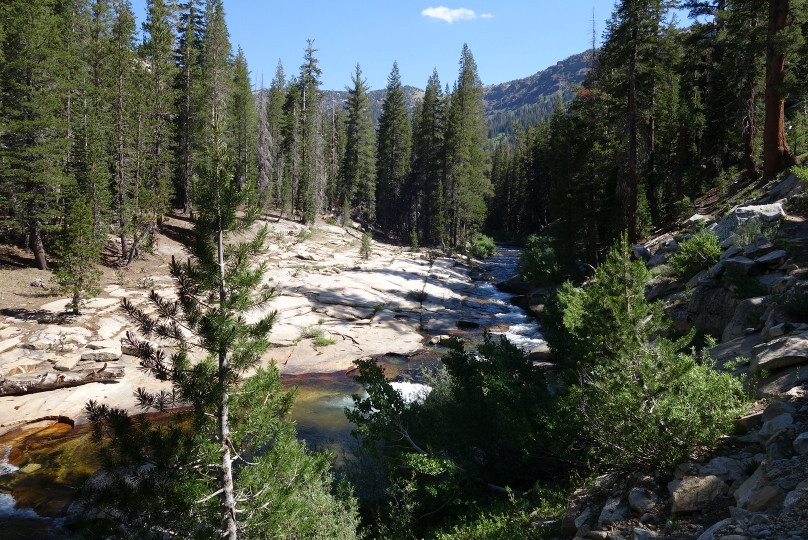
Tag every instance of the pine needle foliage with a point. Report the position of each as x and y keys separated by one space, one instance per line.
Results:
x=77 y=252
x=228 y=464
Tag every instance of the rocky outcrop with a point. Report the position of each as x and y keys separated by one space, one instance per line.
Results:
x=711 y=308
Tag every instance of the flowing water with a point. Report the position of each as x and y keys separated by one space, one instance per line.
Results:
x=42 y=464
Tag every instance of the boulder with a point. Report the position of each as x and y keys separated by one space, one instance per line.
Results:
x=773 y=426
x=710 y=533
x=514 y=285
x=641 y=252
x=576 y=506
x=693 y=493
x=732 y=251
x=742 y=265
x=711 y=308
x=791 y=185
x=724 y=468
x=541 y=353
x=801 y=443
x=781 y=352
x=765 y=213
x=758 y=248
x=643 y=534
x=102 y=351
x=782 y=381
x=776 y=408
x=768 y=487
x=641 y=500
x=614 y=510
x=743 y=318
x=773 y=259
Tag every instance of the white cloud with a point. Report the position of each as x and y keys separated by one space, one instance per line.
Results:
x=448 y=15
x=487 y=16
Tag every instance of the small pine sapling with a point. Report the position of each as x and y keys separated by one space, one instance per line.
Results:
x=365 y=249
x=77 y=252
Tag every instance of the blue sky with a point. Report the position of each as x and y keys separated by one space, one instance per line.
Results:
x=510 y=39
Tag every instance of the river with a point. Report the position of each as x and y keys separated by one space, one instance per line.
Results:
x=55 y=457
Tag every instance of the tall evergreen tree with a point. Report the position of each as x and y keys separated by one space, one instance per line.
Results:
x=425 y=188
x=188 y=133
x=466 y=134
x=393 y=159
x=275 y=121
x=216 y=78
x=33 y=141
x=312 y=172
x=157 y=51
x=242 y=120
x=358 y=169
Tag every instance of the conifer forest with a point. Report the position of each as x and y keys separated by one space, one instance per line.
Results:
x=109 y=124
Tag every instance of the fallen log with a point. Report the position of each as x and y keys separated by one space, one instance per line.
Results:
x=28 y=383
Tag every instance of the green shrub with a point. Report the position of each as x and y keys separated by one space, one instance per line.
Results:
x=414 y=241
x=748 y=287
x=643 y=404
x=365 y=249
x=539 y=264
x=702 y=250
x=683 y=209
x=482 y=246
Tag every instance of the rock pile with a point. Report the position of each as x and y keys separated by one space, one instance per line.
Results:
x=758 y=490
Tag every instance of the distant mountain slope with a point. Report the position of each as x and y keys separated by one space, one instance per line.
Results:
x=529 y=100
x=514 y=103
x=335 y=98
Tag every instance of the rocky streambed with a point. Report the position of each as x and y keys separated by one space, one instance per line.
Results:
x=395 y=306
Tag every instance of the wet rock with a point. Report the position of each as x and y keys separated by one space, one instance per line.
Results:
x=541 y=353
x=436 y=340
x=781 y=352
x=693 y=493
x=514 y=285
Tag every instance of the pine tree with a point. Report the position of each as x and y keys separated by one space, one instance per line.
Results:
x=124 y=93
x=425 y=186
x=157 y=51
x=216 y=76
x=188 y=134
x=393 y=159
x=231 y=465
x=466 y=133
x=275 y=121
x=77 y=252
x=33 y=142
x=264 y=150
x=312 y=172
x=242 y=120
x=358 y=169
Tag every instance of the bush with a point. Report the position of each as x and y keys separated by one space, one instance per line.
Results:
x=702 y=250
x=747 y=287
x=365 y=249
x=482 y=246
x=539 y=264
x=643 y=404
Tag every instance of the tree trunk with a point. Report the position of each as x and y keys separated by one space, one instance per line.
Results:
x=633 y=168
x=224 y=414
x=776 y=154
x=36 y=246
